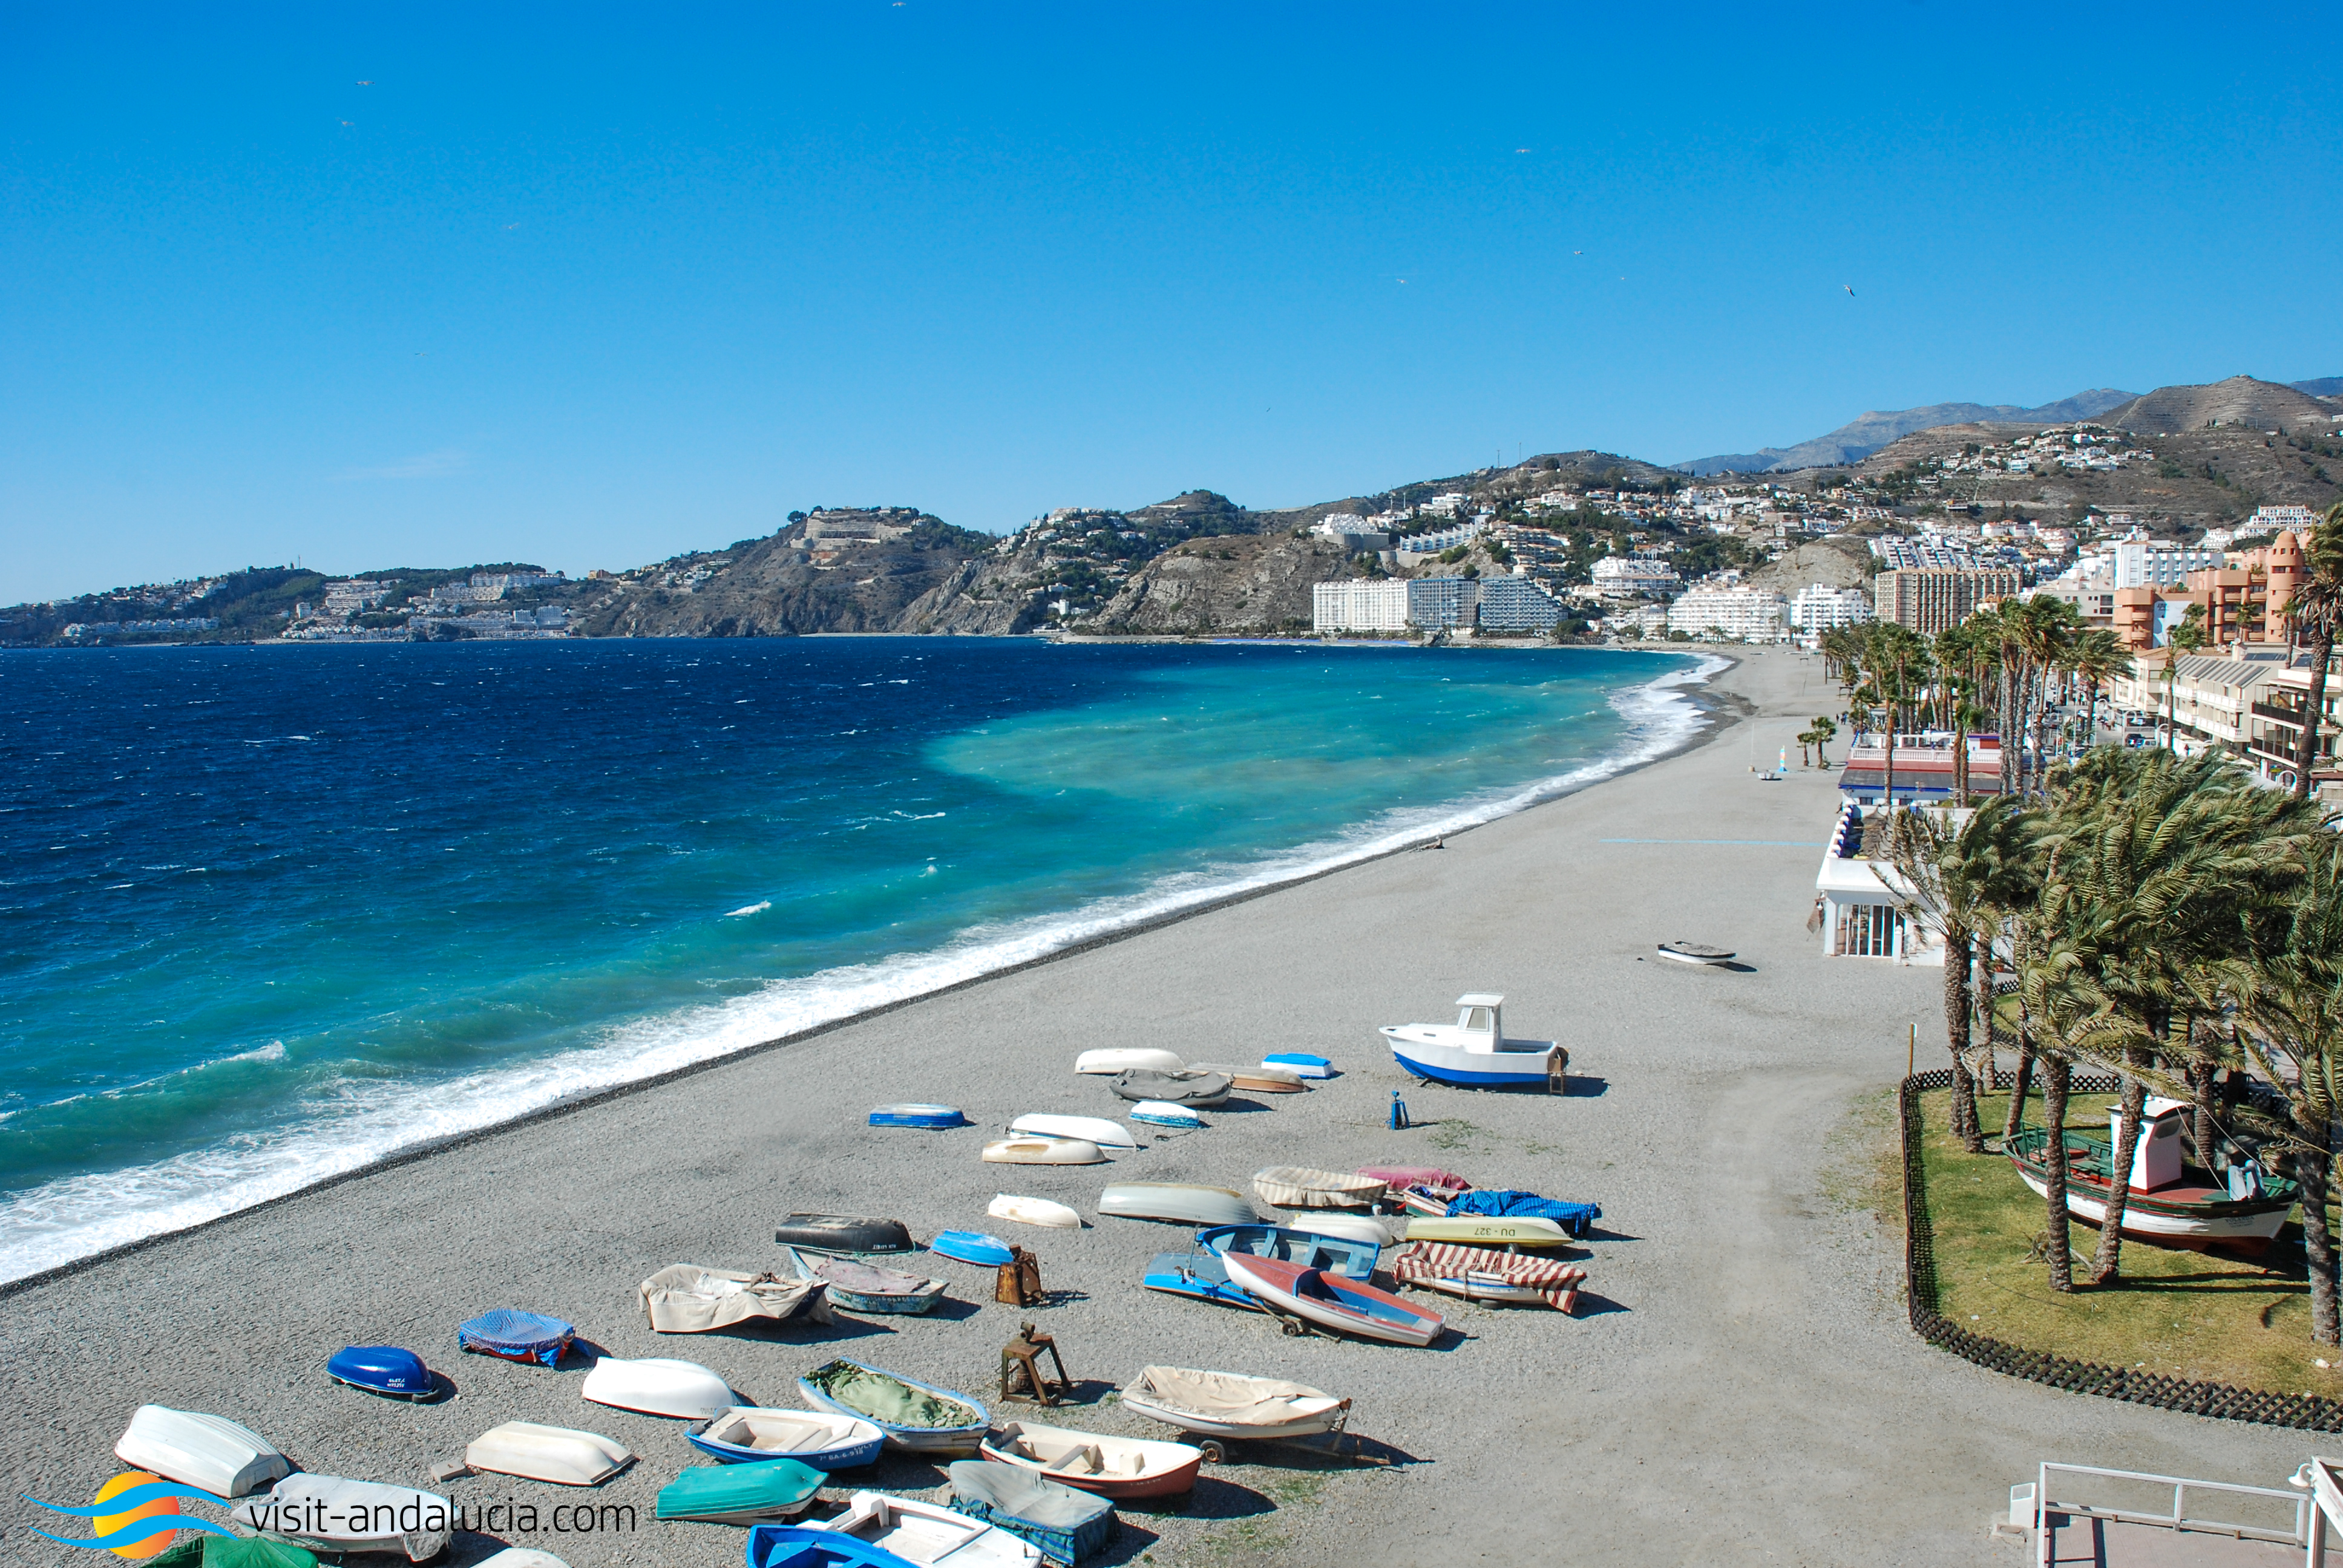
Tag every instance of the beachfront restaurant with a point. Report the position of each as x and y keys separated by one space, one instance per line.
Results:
x=1862 y=904
x=1923 y=769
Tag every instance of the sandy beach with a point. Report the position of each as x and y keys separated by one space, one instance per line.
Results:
x=1738 y=1385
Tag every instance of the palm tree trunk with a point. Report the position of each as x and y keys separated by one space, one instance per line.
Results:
x=2058 y=1238
x=1956 y=1039
x=2008 y=742
x=2311 y=1167
x=2108 y=1262
x=2020 y=1082
x=2200 y=1124
x=2306 y=751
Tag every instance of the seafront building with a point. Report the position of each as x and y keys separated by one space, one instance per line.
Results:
x=1360 y=604
x=1624 y=576
x=1443 y=603
x=1818 y=608
x=1930 y=599
x=2247 y=702
x=1738 y=613
x=1860 y=903
x=1517 y=603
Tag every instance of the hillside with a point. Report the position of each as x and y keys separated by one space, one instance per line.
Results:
x=1866 y=433
x=1839 y=562
x=2239 y=400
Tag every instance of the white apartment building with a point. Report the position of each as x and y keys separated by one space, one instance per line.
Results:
x=1623 y=577
x=2150 y=563
x=1360 y=605
x=1818 y=608
x=1740 y=614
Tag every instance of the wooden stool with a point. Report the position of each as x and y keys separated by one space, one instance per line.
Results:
x=1022 y=1357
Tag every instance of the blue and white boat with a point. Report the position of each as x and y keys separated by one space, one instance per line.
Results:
x=385 y=1370
x=1300 y=1061
x=974 y=1247
x=1164 y=1113
x=914 y=1416
x=748 y=1435
x=1198 y=1274
x=934 y=1118
x=1343 y=1255
x=1473 y=1052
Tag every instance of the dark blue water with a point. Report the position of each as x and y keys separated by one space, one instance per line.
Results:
x=266 y=914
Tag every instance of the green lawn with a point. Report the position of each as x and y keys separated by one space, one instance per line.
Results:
x=2212 y=1316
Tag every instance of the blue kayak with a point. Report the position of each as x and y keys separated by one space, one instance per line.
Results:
x=1300 y=1061
x=974 y=1247
x=934 y=1118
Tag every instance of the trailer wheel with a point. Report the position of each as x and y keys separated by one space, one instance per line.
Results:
x=1213 y=1451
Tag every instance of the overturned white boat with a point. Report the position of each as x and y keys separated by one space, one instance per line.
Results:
x=1098 y=1130
x=656 y=1385
x=1038 y=1149
x=560 y=1455
x=208 y=1453
x=1122 y=1059
x=332 y=1514
x=1232 y=1405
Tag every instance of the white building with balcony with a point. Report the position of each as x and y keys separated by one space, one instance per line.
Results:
x=1737 y=614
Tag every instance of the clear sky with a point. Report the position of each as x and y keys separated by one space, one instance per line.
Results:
x=588 y=287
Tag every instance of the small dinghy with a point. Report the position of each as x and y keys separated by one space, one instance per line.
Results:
x=1110 y=1062
x=861 y=1287
x=1300 y=1061
x=974 y=1247
x=1473 y=1052
x=906 y=1530
x=916 y=1417
x=686 y=1299
x=1695 y=953
x=1197 y=1090
x=1330 y=1301
x=740 y=1493
x=658 y=1386
x=1116 y=1468
x=1097 y=1129
x=1201 y=1275
x=1349 y=1227
x=516 y=1336
x=844 y=1233
x=1180 y=1202
x=1263 y=1080
x=208 y=1453
x=1478 y=1275
x=385 y=1370
x=332 y=1514
x=1065 y=1525
x=1231 y=1404
x=750 y=1434
x=1035 y=1150
x=1164 y=1113
x=1350 y=1258
x=934 y=1118
x=1488 y=1231
x=1299 y=1187
x=1034 y=1212
x=802 y=1546
x=560 y=1455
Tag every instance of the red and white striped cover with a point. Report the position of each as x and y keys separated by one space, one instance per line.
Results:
x=1558 y=1281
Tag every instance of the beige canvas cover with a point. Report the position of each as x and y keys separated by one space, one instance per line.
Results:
x=1299 y=1187
x=1230 y=1398
x=686 y=1299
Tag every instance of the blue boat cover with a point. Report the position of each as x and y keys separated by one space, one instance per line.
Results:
x=1577 y=1219
x=932 y=1117
x=516 y=1336
x=795 y=1546
x=974 y=1247
x=381 y=1369
x=1066 y=1524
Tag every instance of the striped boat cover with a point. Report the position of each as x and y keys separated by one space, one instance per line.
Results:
x=1558 y=1281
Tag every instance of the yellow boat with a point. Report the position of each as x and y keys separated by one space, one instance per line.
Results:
x=1488 y=1231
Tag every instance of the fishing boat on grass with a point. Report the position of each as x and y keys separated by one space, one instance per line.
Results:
x=914 y=1416
x=560 y=1455
x=1473 y=1052
x=656 y=1385
x=1232 y=1405
x=1480 y=1274
x=1033 y=1148
x=1179 y=1202
x=1064 y=1524
x=1122 y=1059
x=1299 y=1187
x=1198 y=1090
x=1121 y=1468
x=923 y=1532
x=208 y=1453
x=2168 y=1202
x=1329 y=1301
x=750 y=1434
x=740 y=1494
x=1098 y=1130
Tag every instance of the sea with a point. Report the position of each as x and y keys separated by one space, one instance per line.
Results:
x=270 y=914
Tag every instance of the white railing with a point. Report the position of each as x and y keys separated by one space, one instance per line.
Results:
x=2178 y=1518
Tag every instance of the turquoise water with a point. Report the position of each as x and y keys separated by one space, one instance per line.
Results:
x=270 y=914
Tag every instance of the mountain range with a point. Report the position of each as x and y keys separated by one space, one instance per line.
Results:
x=2159 y=412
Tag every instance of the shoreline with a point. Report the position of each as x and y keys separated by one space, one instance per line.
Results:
x=1712 y=714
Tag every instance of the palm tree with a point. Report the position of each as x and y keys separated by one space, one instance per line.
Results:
x=2045 y=631
x=2313 y=610
x=2185 y=638
x=1894 y=661
x=2097 y=654
x=1960 y=879
x=1806 y=739
x=1822 y=730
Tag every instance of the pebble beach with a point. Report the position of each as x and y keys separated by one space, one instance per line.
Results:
x=1737 y=1383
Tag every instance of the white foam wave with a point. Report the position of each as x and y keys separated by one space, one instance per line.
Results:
x=756 y=908
x=353 y=1123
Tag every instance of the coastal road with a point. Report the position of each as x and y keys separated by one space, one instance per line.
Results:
x=1740 y=1385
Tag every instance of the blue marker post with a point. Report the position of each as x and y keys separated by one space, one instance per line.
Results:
x=1398 y=1112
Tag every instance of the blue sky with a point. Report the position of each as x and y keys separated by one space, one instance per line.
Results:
x=588 y=287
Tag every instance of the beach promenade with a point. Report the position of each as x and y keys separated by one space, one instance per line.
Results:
x=1739 y=1385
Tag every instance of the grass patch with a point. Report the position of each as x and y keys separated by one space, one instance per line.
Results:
x=2211 y=1316
x=1862 y=1167
x=1454 y=1134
